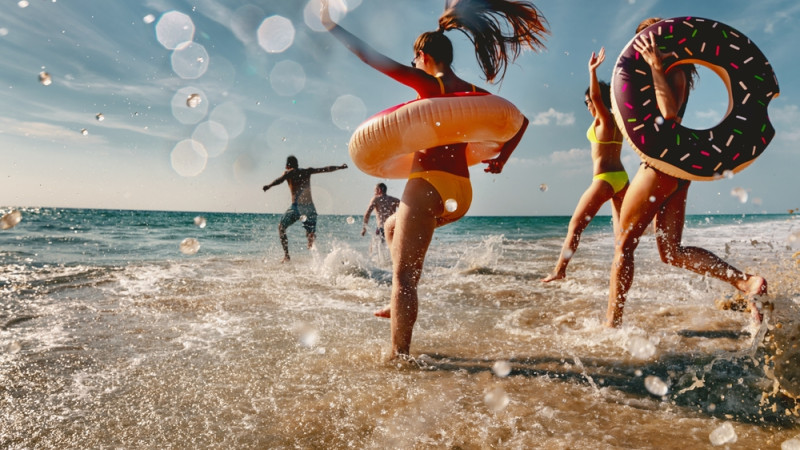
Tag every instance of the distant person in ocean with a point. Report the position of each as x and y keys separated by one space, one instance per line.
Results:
x=302 y=207
x=384 y=206
x=656 y=195
x=610 y=179
x=442 y=172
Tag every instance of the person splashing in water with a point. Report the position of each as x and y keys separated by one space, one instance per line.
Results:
x=441 y=173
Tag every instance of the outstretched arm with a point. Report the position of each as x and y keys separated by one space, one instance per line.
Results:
x=327 y=169
x=277 y=181
x=410 y=76
x=603 y=114
x=496 y=164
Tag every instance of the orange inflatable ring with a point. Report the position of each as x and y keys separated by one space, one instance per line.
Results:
x=384 y=145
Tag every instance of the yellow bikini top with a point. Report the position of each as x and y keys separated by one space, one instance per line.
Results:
x=592 y=137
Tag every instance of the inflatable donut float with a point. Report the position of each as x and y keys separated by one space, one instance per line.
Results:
x=384 y=145
x=682 y=152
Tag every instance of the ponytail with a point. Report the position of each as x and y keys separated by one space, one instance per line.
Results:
x=484 y=22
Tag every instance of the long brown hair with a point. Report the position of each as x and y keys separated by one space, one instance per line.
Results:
x=484 y=23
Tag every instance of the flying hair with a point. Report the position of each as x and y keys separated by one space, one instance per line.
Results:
x=498 y=29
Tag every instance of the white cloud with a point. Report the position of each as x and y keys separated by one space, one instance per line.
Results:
x=570 y=156
x=561 y=119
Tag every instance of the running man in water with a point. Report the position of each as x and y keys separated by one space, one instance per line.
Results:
x=302 y=206
x=384 y=206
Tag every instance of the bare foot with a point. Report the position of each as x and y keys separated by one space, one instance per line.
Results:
x=755 y=287
x=553 y=277
x=385 y=313
x=286 y=259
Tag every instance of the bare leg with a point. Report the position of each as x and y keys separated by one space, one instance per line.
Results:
x=311 y=236
x=592 y=199
x=413 y=230
x=388 y=228
x=284 y=242
x=647 y=191
x=669 y=223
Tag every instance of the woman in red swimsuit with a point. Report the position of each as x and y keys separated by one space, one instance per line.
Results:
x=441 y=173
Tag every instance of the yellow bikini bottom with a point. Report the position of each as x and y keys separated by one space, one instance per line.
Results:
x=617 y=180
x=455 y=192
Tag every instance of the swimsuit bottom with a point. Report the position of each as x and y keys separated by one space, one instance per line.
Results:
x=296 y=212
x=617 y=180
x=455 y=192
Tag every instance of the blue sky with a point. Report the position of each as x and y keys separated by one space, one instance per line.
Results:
x=112 y=129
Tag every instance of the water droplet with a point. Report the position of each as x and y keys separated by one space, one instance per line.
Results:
x=640 y=347
x=148 y=19
x=791 y=444
x=438 y=124
x=741 y=193
x=543 y=187
x=84 y=131
x=193 y=100
x=174 y=30
x=303 y=218
x=501 y=368
x=23 y=3
x=100 y=117
x=45 y=78
x=309 y=336
x=723 y=434
x=652 y=199
x=496 y=399
x=351 y=220
x=450 y=205
x=200 y=221
x=190 y=246
x=660 y=120
x=275 y=34
x=728 y=174
x=10 y=220
x=655 y=386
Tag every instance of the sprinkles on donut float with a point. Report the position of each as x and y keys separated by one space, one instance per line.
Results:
x=672 y=148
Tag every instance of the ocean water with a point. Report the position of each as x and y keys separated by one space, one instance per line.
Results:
x=112 y=337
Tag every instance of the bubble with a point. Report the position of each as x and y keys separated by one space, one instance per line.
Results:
x=3 y=31
x=190 y=61
x=741 y=193
x=351 y=220
x=190 y=246
x=148 y=19
x=543 y=187
x=45 y=78
x=14 y=347
x=641 y=348
x=303 y=218
x=660 y=120
x=348 y=111
x=10 y=219
x=501 y=368
x=496 y=399
x=190 y=115
x=100 y=117
x=287 y=78
x=337 y=8
x=174 y=29
x=275 y=34
x=213 y=136
x=655 y=386
x=84 y=131
x=567 y=254
x=723 y=434
x=193 y=100
x=652 y=199
x=200 y=221
x=230 y=115
x=450 y=205
x=791 y=444
x=188 y=158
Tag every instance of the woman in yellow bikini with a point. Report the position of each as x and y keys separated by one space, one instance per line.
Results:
x=441 y=173
x=610 y=180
